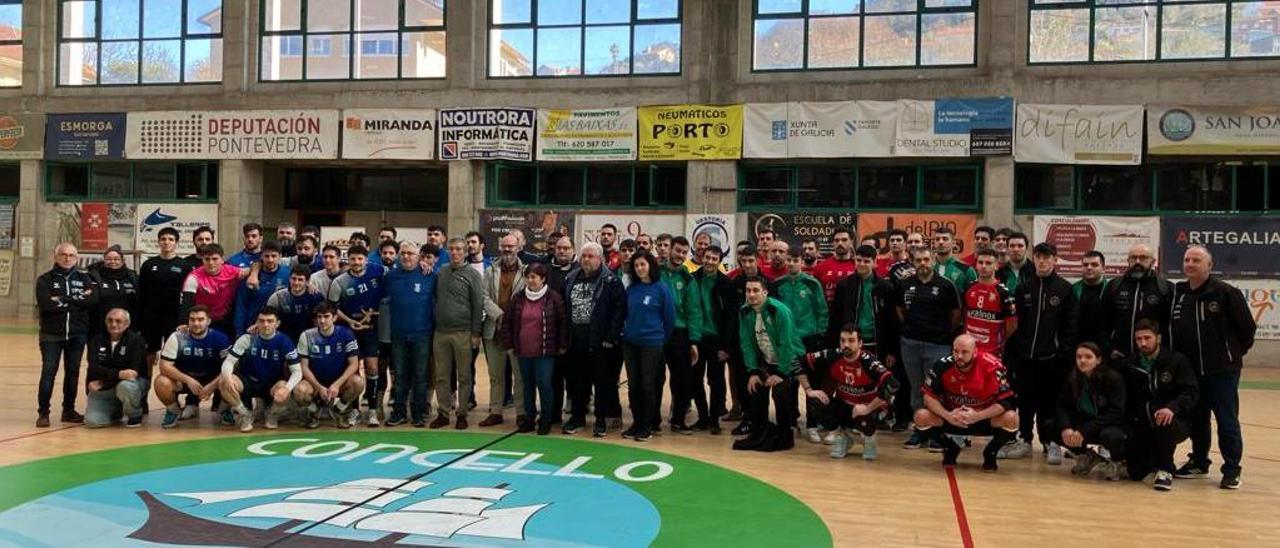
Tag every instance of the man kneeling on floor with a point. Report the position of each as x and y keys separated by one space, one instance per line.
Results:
x=855 y=392
x=968 y=393
x=331 y=367
x=190 y=362
x=1160 y=392
x=256 y=367
x=118 y=374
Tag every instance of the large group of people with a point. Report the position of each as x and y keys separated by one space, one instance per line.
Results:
x=895 y=334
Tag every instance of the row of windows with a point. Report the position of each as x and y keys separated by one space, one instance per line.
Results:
x=622 y=185
x=1172 y=187
x=131 y=181
x=860 y=186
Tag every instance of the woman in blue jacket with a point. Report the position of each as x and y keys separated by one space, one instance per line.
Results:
x=651 y=318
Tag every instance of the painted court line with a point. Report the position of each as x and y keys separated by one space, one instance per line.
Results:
x=40 y=433
x=966 y=536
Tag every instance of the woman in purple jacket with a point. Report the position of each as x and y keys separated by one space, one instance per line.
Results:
x=534 y=327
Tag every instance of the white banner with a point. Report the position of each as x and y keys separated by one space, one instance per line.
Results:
x=587 y=135
x=232 y=135
x=486 y=134
x=719 y=226
x=1079 y=134
x=390 y=134
x=1263 y=298
x=185 y=218
x=630 y=225
x=916 y=135
x=1113 y=236
x=1184 y=130
x=839 y=129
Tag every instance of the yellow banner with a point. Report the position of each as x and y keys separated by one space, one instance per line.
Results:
x=691 y=132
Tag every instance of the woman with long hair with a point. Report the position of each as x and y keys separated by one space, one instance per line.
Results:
x=651 y=318
x=534 y=328
x=1091 y=415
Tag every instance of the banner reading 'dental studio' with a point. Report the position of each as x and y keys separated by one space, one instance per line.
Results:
x=690 y=132
x=587 y=135
x=978 y=126
x=1185 y=130
x=391 y=134
x=232 y=135
x=486 y=134
x=1112 y=236
x=1079 y=134
x=839 y=129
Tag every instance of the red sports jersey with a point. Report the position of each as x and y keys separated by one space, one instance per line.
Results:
x=883 y=263
x=830 y=271
x=771 y=273
x=985 y=383
x=857 y=381
x=986 y=309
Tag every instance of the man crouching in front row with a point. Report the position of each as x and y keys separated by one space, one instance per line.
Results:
x=968 y=394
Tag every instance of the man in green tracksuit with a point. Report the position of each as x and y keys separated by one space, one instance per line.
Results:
x=803 y=294
x=681 y=349
x=719 y=332
x=770 y=345
x=945 y=262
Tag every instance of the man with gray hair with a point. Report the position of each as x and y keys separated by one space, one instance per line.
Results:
x=287 y=237
x=65 y=295
x=596 y=303
x=459 y=323
x=119 y=377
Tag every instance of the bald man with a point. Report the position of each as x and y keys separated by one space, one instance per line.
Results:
x=968 y=393
x=65 y=295
x=1140 y=294
x=119 y=377
x=776 y=266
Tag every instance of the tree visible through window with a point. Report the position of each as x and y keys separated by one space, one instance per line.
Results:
x=130 y=42
x=556 y=38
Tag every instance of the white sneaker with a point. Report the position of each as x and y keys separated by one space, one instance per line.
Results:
x=840 y=447
x=373 y=421
x=353 y=416
x=271 y=418
x=1017 y=449
x=815 y=435
x=190 y=412
x=870 y=447
x=830 y=438
x=245 y=421
x=1055 y=454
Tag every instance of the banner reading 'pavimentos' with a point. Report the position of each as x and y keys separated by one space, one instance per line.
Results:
x=1184 y=130
x=587 y=135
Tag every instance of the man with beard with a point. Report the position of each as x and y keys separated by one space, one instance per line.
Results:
x=777 y=265
x=286 y=238
x=331 y=268
x=476 y=258
x=1141 y=294
x=1161 y=393
x=201 y=237
x=502 y=279
x=981 y=240
x=840 y=265
x=866 y=302
x=296 y=303
x=947 y=265
x=644 y=244
x=809 y=253
x=968 y=393
x=929 y=311
x=607 y=237
x=851 y=389
x=306 y=253
x=252 y=251
x=1016 y=267
x=562 y=263
x=1091 y=316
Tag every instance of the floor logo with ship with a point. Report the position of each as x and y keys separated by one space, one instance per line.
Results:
x=350 y=489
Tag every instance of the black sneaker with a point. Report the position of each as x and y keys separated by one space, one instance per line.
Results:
x=544 y=428
x=396 y=420
x=935 y=447
x=1230 y=480
x=572 y=426
x=682 y=429
x=643 y=435
x=743 y=429
x=630 y=433
x=600 y=430
x=989 y=462
x=714 y=428
x=1192 y=470
x=915 y=441
x=420 y=423
x=951 y=453
x=1164 y=481
x=900 y=426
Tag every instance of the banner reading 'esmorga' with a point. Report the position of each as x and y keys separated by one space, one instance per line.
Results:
x=232 y=135
x=1079 y=134
x=486 y=134
x=587 y=135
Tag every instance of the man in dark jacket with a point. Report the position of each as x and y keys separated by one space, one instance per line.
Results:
x=1161 y=392
x=1141 y=294
x=596 y=307
x=1210 y=324
x=65 y=296
x=1091 y=316
x=119 y=377
x=717 y=299
x=1042 y=348
x=866 y=301
x=560 y=262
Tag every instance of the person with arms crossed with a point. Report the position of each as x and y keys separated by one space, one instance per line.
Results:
x=1090 y=315
x=190 y=362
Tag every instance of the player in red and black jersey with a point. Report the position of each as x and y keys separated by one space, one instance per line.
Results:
x=854 y=389
x=968 y=393
x=839 y=265
x=990 y=312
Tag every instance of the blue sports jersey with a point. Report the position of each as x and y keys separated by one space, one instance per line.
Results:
x=354 y=294
x=296 y=312
x=201 y=358
x=327 y=354
x=250 y=301
x=261 y=361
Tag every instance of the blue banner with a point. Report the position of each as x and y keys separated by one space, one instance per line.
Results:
x=1242 y=247
x=988 y=121
x=85 y=137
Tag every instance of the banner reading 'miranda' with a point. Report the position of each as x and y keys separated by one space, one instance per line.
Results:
x=1186 y=130
x=1079 y=134
x=691 y=132
x=587 y=135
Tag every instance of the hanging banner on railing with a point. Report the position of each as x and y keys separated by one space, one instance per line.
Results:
x=486 y=134
x=389 y=134
x=233 y=135
x=1112 y=236
x=1079 y=134
x=978 y=126
x=1242 y=247
x=840 y=129
x=586 y=135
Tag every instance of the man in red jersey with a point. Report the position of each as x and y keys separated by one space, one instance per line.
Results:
x=852 y=389
x=990 y=314
x=839 y=265
x=982 y=239
x=968 y=393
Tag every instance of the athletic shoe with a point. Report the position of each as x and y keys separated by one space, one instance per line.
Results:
x=1231 y=480
x=42 y=420
x=309 y=419
x=170 y=419
x=1017 y=449
x=900 y=426
x=228 y=418
x=840 y=446
x=1055 y=454
x=524 y=425
x=630 y=433
x=1192 y=470
x=190 y=412
x=72 y=416
x=373 y=421
x=572 y=426
x=870 y=447
x=353 y=416
x=814 y=434
x=914 y=442
x=133 y=422
x=1085 y=463
x=935 y=447
x=681 y=429
x=420 y=423
x=544 y=428
x=491 y=420
x=461 y=424
x=830 y=438
x=643 y=435
x=245 y=421
x=743 y=429
x=271 y=419
x=1163 y=482
x=1103 y=470
x=990 y=462
x=734 y=415
x=396 y=420
x=714 y=429
x=615 y=423
x=600 y=430
x=700 y=425
x=950 y=454
x=440 y=422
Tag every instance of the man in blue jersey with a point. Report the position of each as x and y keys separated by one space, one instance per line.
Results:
x=252 y=251
x=272 y=276
x=411 y=288
x=297 y=303
x=357 y=294
x=331 y=367
x=260 y=365
x=190 y=363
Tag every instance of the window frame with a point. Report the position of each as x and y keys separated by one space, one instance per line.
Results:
x=90 y=196
x=354 y=41
x=1271 y=174
x=19 y=41
x=583 y=26
x=921 y=169
x=97 y=40
x=637 y=169
x=1159 y=6
x=920 y=11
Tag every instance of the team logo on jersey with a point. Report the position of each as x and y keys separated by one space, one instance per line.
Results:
x=1055 y=300
x=1153 y=300
x=935 y=291
x=1166 y=377
x=1214 y=306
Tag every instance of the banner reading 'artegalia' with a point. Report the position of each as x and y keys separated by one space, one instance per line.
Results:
x=1185 y=130
x=1242 y=247
x=587 y=135
x=691 y=132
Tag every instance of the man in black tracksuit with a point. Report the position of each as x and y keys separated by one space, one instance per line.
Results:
x=1210 y=324
x=1141 y=294
x=65 y=295
x=866 y=301
x=1042 y=349
x=1161 y=393
x=596 y=305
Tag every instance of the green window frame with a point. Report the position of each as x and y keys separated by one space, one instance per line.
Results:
x=1164 y=188
x=11 y=43
x=599 y=186
x=132 y=181
x=93 y=52
x=930 y=186
x=411 y=48
x=832 y=34
x=523 y=36
x=334 y=189
x=1149 y=31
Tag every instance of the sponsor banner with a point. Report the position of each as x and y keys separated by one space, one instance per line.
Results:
x=6 y=272
x=185 y=218
x=879 y=225
x=233 y=135
x=1242 y=247
x=840 y=129
x=1079 y=134
x=1186 y=130
x=955 y=127
x=630 y=225
x=389 y=134
x=7 y=216
x=84 y=136
x=718 y=226
x=22 y=136
x=416 y=236
x=691 y=132
x=1112 y=236
x=586 y=135
x=537 y=224
x=338 y=235
x=486 y=134
x=795 y=228
x=94 y=226
x=1263 y=298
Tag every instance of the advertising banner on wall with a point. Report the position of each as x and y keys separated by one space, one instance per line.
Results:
x=185 y=218
x=630 y=225
x=84 y=136
x=339 y=236
x=487 y=134
x=95 y=219
x=587 y=135
x=390 y=134
x=691 y=132
x=1079 y=134
x=22 y=136
x=979 y=126
x=233 y=135
x=795 y=228
x=7 y=216
x=1242 y=247
x=1112 y=236
x=719 y=226
x=879 y=225
x=839 y=129
x=537 y=224
x=1263 y=298
x=1188 y=130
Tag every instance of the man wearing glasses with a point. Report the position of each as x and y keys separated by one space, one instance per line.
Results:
x=1140 y=294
